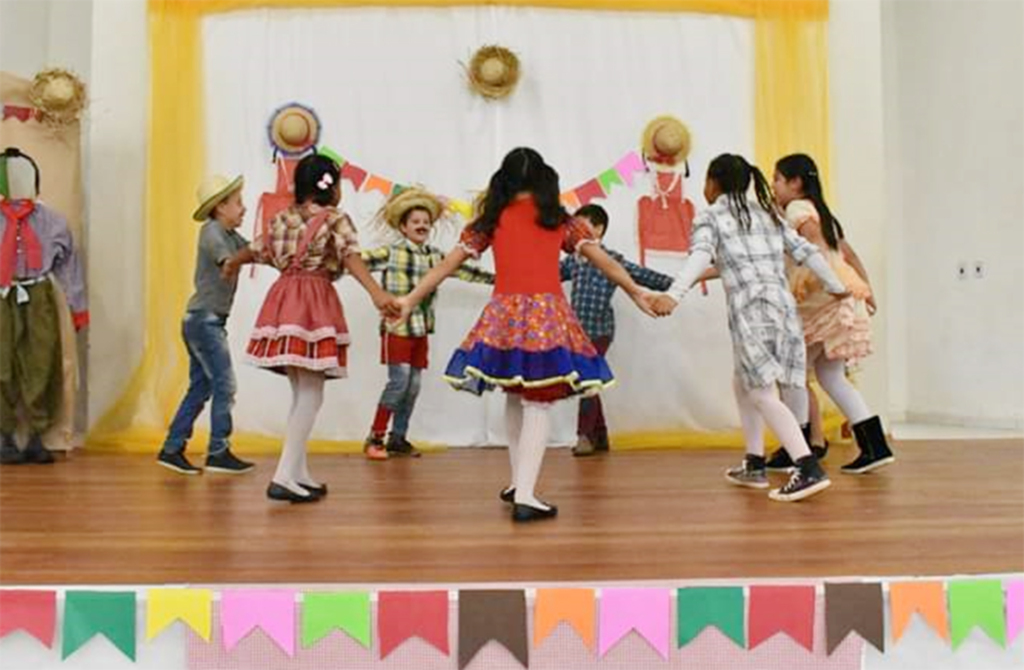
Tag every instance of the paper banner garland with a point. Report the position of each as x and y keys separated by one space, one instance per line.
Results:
x=782 y=609
x=1014 y=610
x=629 y=165
x=192 y=606
x=34 y=612
x=928 y=599
x=402 y=615
x=241 y=612
x=492 y=615
x=91 y=613
x=854 y=608
x=646 y=611
x=976 y=603
x=700 y=607
x=575 y=607
x=323 y=612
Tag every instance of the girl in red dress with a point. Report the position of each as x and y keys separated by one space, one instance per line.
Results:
x=527 y=341
x=301 y=330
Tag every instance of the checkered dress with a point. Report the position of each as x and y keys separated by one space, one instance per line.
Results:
x=767 y=338
x=592 y=292
x=403 y=265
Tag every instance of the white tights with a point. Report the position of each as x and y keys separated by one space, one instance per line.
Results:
x=528 y=425
x=760 y=406
x=832 y=378
x=307 y=397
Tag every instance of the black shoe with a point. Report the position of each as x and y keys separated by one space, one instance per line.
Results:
x=9 y=452
x=806 y=480
x=320 y=490
x=522 y=512
x=228 y=463
x=36 y=453
x=399 y=446
x=819 y=451
x=779 y=461
x=874 y=449
x=277 y=492
x=178 y=463
x=508 y=495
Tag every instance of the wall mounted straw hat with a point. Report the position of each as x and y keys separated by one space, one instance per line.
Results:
x=294 y=129
x=493 y=72
x=213 y=191
x=59 y=95
x=666 y=141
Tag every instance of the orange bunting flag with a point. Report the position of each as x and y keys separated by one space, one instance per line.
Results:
x=575 y=607
x=926 y=598
x=377 y=183
x=570 y=201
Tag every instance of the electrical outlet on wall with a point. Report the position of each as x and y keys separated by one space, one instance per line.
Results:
x=979 y=269
x=961 y=270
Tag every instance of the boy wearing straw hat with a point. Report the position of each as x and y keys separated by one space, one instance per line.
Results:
x=411 y=215
x=205 y=335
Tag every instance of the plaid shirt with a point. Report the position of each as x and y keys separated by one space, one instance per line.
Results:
x=592 y=291
x=404 y=264
x=277 y=243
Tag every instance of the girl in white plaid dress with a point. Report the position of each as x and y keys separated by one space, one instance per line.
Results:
x=746 y=240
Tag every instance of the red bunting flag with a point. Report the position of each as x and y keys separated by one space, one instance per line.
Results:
x=354 y=174
x=402 y=615
x=589 y=191
x=782 y=609
x=34 y=612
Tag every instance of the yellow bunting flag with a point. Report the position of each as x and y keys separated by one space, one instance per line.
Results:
x=462 y=208
x=191 y=606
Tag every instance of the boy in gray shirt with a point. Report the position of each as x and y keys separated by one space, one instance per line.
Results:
x=205 y=335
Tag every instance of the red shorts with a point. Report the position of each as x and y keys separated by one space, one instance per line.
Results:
x=543 y=393
x=398 y=350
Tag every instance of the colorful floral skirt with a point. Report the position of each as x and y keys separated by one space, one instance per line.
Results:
x=302 y=325
x=530 y=344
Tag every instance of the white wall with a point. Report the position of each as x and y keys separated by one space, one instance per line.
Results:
x=955 y=101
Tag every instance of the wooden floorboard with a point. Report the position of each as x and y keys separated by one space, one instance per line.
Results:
x=945 y=508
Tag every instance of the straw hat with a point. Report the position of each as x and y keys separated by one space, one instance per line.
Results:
x=666 y=141
x=493 y=72
x=294 y=129
x=414 y=197
x=213 y=191
x=59 y=96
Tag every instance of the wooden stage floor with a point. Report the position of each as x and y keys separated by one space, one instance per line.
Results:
x=945 y=508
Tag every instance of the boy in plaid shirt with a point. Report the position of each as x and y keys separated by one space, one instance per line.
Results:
x=592 y=295
x=412 y=213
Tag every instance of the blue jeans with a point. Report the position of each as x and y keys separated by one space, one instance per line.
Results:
x=400 y=395
x=209 y=375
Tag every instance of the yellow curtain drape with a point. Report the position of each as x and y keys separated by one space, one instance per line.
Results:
x=791 y=114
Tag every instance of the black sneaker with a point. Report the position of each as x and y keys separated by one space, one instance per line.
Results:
x=36 y=453
x=178 y=463
x=779 y=461
x=9 y=452
x=399 y=446
x=227 y=463
x=806 y=480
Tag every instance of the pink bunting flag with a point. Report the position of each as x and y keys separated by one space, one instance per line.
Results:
x=272 y=611
x=647 y=611
x=1014 y=610
x=629 y=165
x=781 y=609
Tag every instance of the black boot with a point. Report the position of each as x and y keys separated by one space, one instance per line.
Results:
x=35 y=452
x=9 y=452
x=874 y=449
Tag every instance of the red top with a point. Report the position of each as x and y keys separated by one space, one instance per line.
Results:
x=525 y=253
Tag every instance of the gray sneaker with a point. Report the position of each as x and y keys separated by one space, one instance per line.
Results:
x=750 y=473
x=584 y=447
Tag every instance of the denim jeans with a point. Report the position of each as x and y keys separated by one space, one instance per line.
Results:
x=400 y=395
x=209 y=375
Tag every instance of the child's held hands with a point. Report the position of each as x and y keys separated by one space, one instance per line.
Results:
x=645 y=302
x=229 y=268
x=663 y=304
x=399 y=310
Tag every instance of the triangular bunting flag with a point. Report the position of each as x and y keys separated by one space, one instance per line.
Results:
x=34 y=612
x=575 y=607
x=647 y=611
x=332 y=154
x=272 y=611
x=608 y=178
x=398 y=188
x=462 y=208
x=379 y=184
x=570 y=201
x=854 y=608
x=354 y=174
x=629 y=165
x=976 y=603
x=107 y=613
x=700 y=607
x=588 y=191
x=1014 y=610
x=926 y=598
x=402 y=615
x=323 y=612
x=782 y=609
x=192 y=606
x=492 y=615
